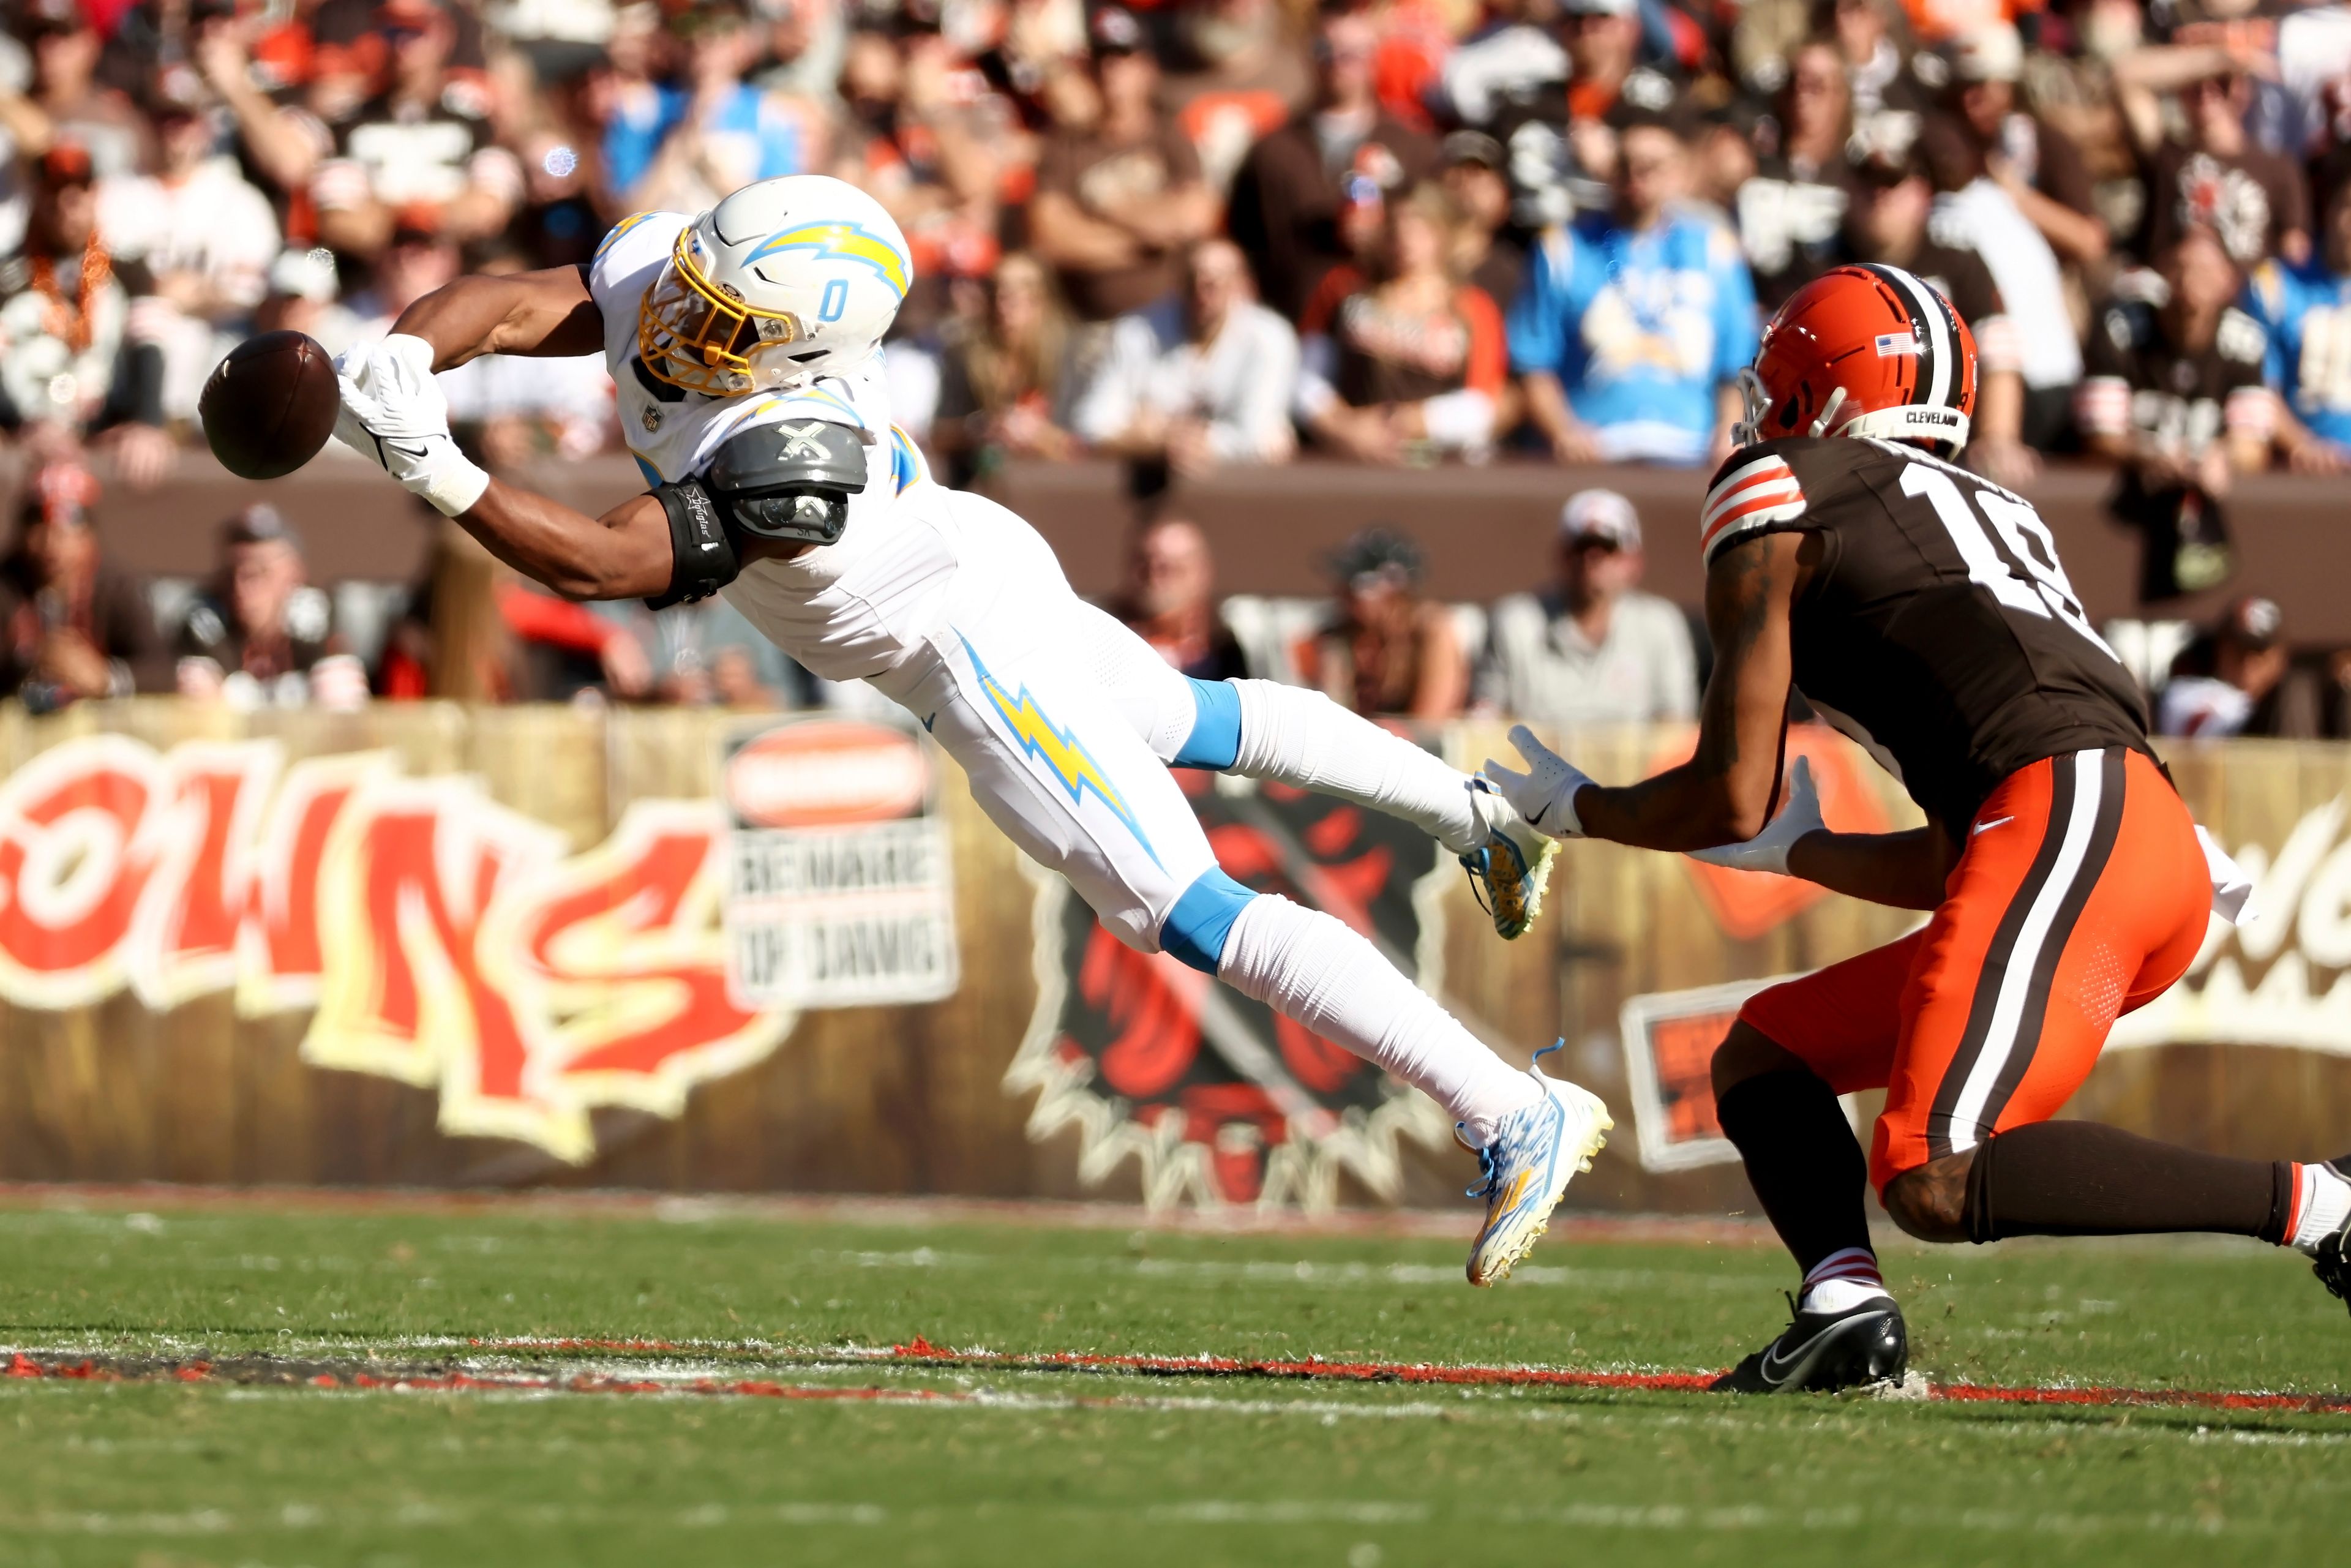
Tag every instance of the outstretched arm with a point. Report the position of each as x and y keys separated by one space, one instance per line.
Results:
x=1723 y=793
x=393 y=412
x=545 y=315
x=624 y=554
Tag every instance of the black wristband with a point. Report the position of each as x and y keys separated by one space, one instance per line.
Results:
x=702 y=551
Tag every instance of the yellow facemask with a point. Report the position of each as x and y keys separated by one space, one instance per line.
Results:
x=691 y=334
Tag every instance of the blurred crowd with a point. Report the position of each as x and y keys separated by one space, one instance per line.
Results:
x=1193 y=234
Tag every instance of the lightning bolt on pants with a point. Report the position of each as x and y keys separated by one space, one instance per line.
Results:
x=1056 y=760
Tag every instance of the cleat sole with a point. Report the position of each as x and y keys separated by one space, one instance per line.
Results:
x=1597 y=1141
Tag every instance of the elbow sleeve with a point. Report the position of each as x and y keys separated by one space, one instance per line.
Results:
x=702 y=553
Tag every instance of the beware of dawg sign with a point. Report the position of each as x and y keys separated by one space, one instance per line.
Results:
x=1217 y=1098
x=838 y=884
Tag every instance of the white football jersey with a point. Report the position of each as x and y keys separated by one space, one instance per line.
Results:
x=847 y=609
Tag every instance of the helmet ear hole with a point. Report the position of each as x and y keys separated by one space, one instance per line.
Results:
x=1792 y=414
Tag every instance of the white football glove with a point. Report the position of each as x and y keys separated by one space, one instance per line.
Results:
x=1768 y=851
x=1545 y=793
x=394 y=414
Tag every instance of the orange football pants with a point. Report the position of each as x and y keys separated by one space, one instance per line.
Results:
x=2082 y=894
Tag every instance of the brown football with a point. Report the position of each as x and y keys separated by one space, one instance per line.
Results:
x=270 y=405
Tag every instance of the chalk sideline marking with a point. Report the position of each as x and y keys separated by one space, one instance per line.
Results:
x=352 y=1374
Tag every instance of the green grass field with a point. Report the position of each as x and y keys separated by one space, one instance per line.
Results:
x=971 y=1463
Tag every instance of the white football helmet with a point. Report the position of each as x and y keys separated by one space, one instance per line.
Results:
x=781 y=282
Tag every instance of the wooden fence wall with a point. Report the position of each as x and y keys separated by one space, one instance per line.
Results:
x=913 y=1100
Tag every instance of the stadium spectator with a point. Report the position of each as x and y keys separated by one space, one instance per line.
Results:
x=66 y=102
x=922 y=134
x=1887 y=222
x=1201 y=381
x=711 y=131
x=2037 y=165
x=1633 y=324
x=2305 y=312
x=419 y=259
x=1385 y=651
x=1790 y=209
x=1402 y=359
x=708 y=655
x=76 y=624
x=561 y=650
x=304 y=297
x=1973 y=211
x=205 y=237
x=560 y=222
x=1591 y=648
x=2256 y=200
x=1119 y=193
x=1486 y=250
x=423 y=143
x=518 y=409
x=69 y=366
x=281 y=141
x=2174 y=397
x=2173 y=392
x=2239 y=679
x=1170 y=601
x=1006 y=380
x=258 y=635
x=1308 y=196
x=1872 y=39
x=1513 y=57
x=1561 y=145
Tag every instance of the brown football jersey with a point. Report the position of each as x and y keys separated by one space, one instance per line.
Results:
x=1938 y=629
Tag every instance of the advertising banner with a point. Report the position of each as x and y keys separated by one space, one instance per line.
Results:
x=839 y=889
x=682 y=950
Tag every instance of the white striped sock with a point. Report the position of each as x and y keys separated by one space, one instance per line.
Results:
x=1842 y=1280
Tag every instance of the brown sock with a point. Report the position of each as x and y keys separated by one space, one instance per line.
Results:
x=1802 y=1160
x=2080 y=1179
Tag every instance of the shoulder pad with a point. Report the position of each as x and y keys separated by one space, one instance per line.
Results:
x=2240 y=338
x=789 y=452
x=790 y=480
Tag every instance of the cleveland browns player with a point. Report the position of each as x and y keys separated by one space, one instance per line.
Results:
x=1922 y=611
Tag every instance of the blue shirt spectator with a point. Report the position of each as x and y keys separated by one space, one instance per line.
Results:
x=1633 y=325
x=2307 y=310
x=687 y=145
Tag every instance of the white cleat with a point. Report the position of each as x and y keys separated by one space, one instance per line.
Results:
x=1510 y=869
x=1536 y=1152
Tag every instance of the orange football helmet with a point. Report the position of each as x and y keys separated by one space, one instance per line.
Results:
x=1863 y=350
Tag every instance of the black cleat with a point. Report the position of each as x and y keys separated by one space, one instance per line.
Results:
x=2331 y=1261
x=1823 y=1352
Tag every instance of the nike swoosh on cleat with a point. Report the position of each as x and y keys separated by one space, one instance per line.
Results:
x=1805 y=1353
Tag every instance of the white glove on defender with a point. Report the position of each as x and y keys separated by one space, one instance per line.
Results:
x=1768 y=851
x=1545 y=793
x=394 y=414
